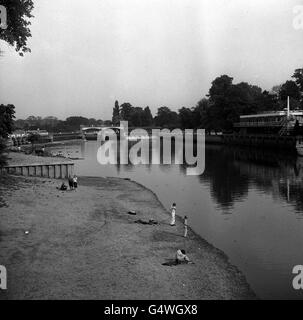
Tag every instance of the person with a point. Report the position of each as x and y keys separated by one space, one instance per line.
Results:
x=75 y=182
x=185 y=226
x=173 y=214
x=70 y=183
x=181 y=257
x=63 y=187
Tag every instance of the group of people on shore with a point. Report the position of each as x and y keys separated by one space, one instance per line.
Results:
x=181 y=256
x=173 y=209
x=72 y=182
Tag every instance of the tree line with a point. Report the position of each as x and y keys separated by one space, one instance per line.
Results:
x=221 y=107
x=216 y=112
x=53 y=124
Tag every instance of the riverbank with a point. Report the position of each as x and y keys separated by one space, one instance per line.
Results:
x=84 y=245
x=19 y=158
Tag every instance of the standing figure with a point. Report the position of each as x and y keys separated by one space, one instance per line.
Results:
x=75 y=182
x=185 y=226
x=70 y=183
x=173 y=214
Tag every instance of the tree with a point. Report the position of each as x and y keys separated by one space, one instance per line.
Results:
x=269 y=102
x=107 y=123
x=147 y=117
x=201 y=115
x=289 y=89
x=136 y=117
x=49 y=123
x=166 y=118
x=126 y=111
x=7 y=115
x=227 y=101
x=17 y=32
x=298 y=76
x=116 y=114
x=73 y=123
x=186 y=116
x=219 y=103
x=99 y=122
x=92 y=122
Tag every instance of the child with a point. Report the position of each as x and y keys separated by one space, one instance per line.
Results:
x=173 y=215
x=75 y=182
x=63 y=187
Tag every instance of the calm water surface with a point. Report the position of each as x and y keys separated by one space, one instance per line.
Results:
x=248 y=203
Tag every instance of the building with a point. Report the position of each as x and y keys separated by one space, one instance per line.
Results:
x=283 y=123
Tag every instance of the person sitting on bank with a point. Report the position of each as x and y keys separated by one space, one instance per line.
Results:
x=63 y=187
x=181 y=257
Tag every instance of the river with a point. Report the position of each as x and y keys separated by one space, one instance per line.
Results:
x=248 y=203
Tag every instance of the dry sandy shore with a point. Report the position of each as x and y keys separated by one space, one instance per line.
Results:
x=16 y=158
x=84 y=245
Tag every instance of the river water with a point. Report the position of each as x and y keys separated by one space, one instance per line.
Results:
x=248 y=203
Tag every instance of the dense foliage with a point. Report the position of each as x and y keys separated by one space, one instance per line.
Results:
x=53 y=124
x=222 y=106
x=6 y=127
x=17 y=32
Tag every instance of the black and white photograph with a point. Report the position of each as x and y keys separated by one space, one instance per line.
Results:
x=151 y=150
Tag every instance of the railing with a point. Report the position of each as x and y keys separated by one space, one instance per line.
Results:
x=260 y=124
x=53 y=170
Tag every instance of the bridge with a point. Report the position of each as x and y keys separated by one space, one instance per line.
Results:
x=92 y=133
x=95 y=129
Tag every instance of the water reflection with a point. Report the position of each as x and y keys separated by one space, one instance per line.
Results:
x=226 y=181
x=277 y=174
x=229 y=171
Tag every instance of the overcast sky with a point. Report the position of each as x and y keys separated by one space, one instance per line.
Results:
x=87 y=54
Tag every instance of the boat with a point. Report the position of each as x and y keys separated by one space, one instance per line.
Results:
x=272 y=129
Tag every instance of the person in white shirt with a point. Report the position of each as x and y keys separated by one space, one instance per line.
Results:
x=181 y=257
x=173 y=214
x=185 y=226
x=75 y=181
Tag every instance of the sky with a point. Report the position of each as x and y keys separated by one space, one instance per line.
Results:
x=87 y=54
